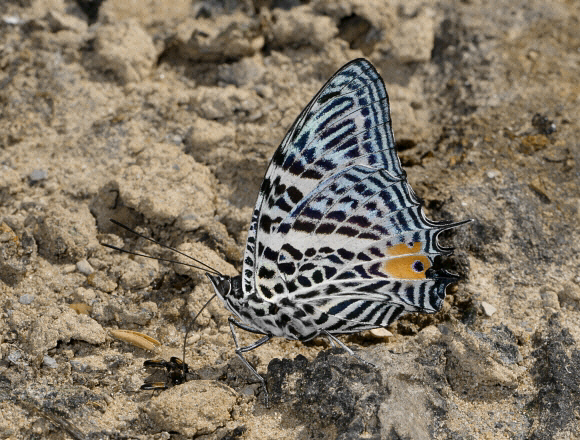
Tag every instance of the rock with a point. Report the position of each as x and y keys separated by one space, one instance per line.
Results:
x=65 y=234
x=157 y=11
x=471 y=365
x=84 y=295
x=26 y=299
x=84 y=267
x=89 y=364
x=487 y=308
x=136 y=273
x=570 y=293
x=301 y=26
x=428 y=336
x=125 y=49
x=550 y=299
x=62 y=324
x=179 y=190
x=17 y=256
x=228 y=36
x=49 y=362
x=193 y=409
x=124 y=314
x=65 y=22
x=380 y=333
x=414 y=38
x=338 y=396
x=205 y=137
x=556 y=373
x=247 y=71
x=37 y=176
x=101 y=281
x=225 y=102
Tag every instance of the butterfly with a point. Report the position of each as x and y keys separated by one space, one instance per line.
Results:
x=338 y=241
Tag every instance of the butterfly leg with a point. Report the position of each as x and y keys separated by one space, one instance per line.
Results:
x=334 y=340
x=240 y=350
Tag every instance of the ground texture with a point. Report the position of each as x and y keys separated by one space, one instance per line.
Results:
x=164 y=115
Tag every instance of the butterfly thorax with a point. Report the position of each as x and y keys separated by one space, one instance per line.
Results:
x=279 y=317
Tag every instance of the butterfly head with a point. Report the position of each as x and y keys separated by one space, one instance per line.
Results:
x=226 y=286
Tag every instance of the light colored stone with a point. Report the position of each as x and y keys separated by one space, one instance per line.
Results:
x=49 y=362
x=380 y=333
x=62 y=324
x=126 y=49
x=414 y=39
x=84 y=267
x=550 y=298
x=26 y=299
x=195 y=408
x=302 y=26
x=428 y=336
x=65 y=22
x=570 y=293
x=148 y=12
x=227 y=36
x=488 y=309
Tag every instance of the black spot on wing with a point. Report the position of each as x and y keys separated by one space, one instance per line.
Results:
x=347 y=255
x=294 y=253
x=265 y=223
x=311 y=173
x=266 y=292
x=287 y=268
x=270 y=254
x=266 y=273
x=304 y=281
x=325 y=228
x=347 y=230
x=294 y=194
x=339 y=216
x=359 y=220
x=317 y=277
x=327 y=97
x=304 y=226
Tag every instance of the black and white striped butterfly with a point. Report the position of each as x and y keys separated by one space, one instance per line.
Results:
x=338 y=241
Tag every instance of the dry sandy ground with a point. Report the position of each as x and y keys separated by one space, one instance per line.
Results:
x=164 y=115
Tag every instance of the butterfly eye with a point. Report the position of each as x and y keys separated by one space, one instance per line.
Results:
x=226 y=286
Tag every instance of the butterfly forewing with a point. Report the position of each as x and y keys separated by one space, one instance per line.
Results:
x=338 y=236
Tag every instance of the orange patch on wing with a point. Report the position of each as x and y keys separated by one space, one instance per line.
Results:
x=404 y=249
x=411 y=267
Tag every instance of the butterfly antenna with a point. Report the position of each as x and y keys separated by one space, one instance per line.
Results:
x=188 y=327
x=204 y=267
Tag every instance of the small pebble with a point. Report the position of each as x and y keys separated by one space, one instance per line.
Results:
x=14 y=356
x=37 y=175
x=381 y=333
x=12 y=19
x=68 y=268
x=49 y=362
x=27 y=298
x=79 y=366
x=488 y=309
x=84 y=267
